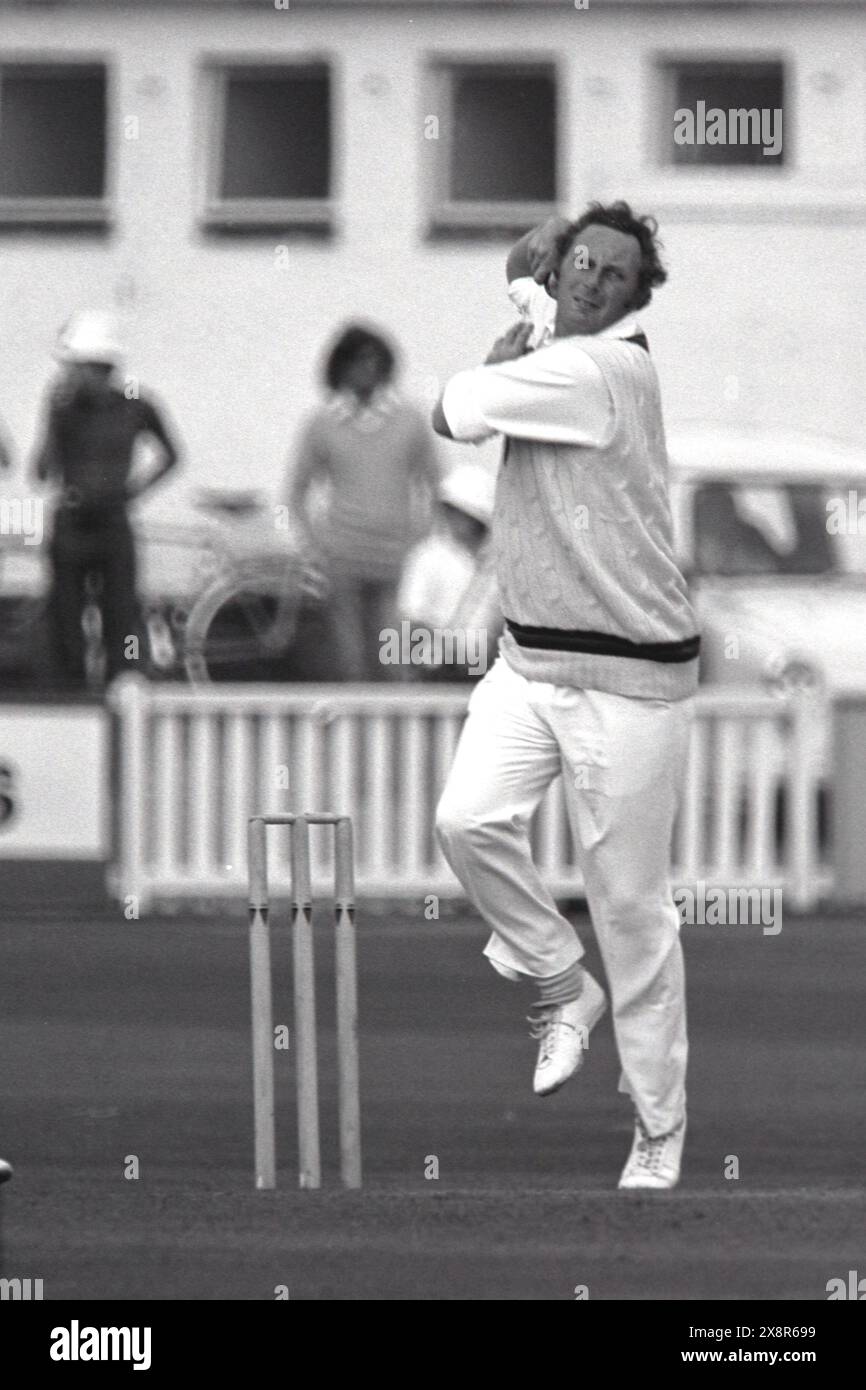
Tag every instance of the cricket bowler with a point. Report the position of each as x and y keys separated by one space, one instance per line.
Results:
x=596 y=665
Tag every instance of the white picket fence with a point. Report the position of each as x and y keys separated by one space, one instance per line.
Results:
x=195 y=763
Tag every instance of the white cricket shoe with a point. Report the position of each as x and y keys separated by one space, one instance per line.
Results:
x=563 y=1033
x=5 y=1170
x=654 y=1163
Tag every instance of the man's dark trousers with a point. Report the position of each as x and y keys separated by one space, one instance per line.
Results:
x=97 y=541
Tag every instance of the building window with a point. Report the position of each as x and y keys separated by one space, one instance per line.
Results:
x=52 y=142
x=495 y=146
x=271 y=159
x=724 y=114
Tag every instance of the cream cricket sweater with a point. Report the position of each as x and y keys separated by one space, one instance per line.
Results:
x=589 y=586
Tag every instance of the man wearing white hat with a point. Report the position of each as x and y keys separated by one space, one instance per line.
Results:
x=448 y=585
x=88 y=448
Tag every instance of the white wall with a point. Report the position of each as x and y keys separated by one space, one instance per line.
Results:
x=766 y=284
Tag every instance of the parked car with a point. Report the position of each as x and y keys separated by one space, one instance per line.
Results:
x=770 y=527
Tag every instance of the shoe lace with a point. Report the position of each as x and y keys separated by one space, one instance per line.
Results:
x=650 y=1151
x=542 y=1029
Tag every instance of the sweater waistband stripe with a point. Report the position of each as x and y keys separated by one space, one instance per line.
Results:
x=602 y=643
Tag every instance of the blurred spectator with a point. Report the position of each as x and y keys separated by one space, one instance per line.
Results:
x=370 y=456
x=443 y=571
x=91 y=430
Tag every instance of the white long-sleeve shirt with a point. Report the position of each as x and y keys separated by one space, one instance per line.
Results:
x=590 y=587
x=556 y=394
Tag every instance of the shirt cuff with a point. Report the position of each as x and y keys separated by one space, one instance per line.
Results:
x=461 y=410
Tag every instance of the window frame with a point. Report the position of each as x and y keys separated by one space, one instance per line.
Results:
x=664 y=65
x=482 y=217
x=731 y=194
x=57 y=211
x=217 y=213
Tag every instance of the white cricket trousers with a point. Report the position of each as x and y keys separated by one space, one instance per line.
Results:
x=621 y=761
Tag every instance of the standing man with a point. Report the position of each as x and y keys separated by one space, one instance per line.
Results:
x=597 y=662
x=370 y=453
x=88 y=451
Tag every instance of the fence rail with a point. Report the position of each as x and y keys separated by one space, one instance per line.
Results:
x=195 y=763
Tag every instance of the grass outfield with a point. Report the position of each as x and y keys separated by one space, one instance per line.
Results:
x=124 y=1039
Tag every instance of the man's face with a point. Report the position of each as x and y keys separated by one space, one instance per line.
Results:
x=89 y=379
x=597 y=281
x=364 y=373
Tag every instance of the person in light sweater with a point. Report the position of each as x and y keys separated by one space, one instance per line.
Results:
x=370 y=454
x=595 y=669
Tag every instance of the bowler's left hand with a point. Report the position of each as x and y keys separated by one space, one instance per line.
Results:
x=513 y=344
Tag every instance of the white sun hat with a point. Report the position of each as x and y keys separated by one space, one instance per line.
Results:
x=90 y=336
x=471 y=488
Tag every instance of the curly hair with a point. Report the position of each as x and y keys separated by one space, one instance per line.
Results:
x=620 y=217
x=354 y=339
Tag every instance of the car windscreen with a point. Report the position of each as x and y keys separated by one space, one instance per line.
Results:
x=792 y=529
